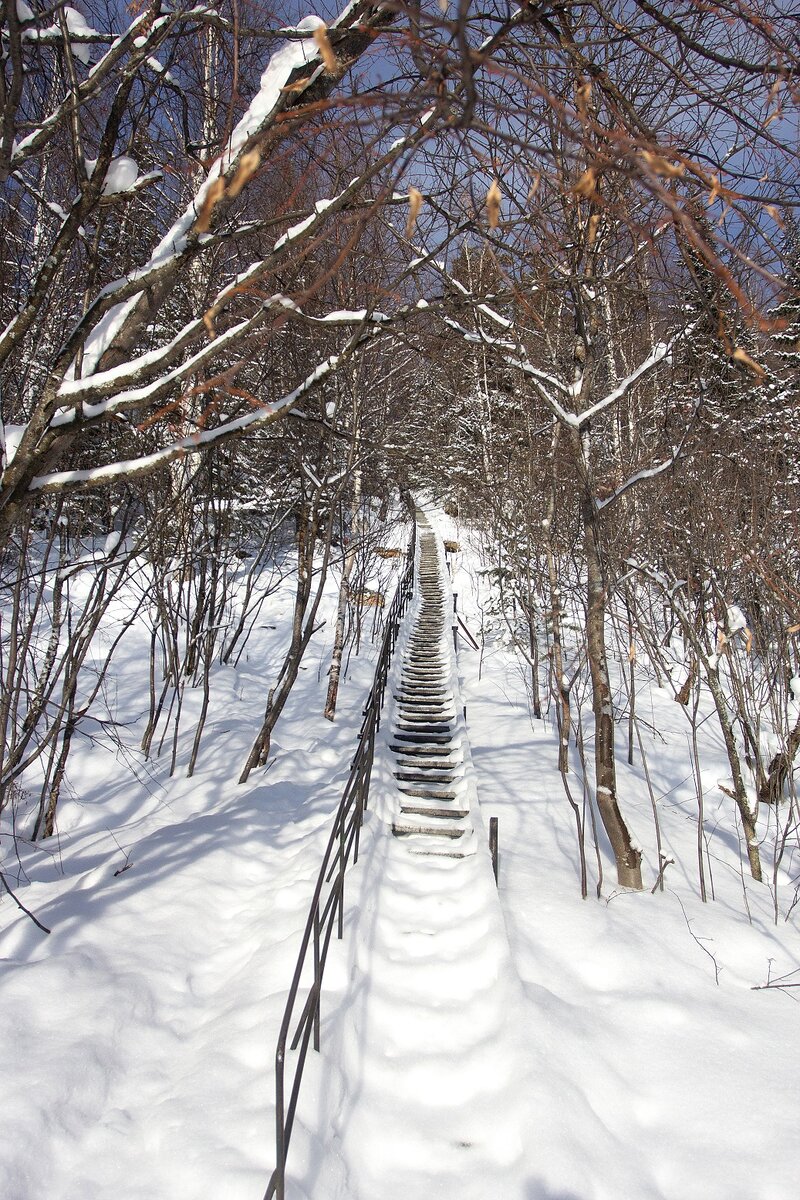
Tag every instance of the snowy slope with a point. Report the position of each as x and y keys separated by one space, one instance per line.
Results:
x=516 y=1043
x=137 y=1038
x=653 y=1078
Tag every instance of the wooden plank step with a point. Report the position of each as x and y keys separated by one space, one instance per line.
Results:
x=421 y=777
x=423 y=739
x=428 y=715
x=434 y=732
x=429 y=793
x=426 y=750
x=436 y=814
x=424 y=695
x=430 y=831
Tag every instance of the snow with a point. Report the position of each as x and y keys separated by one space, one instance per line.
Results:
x=737 y=621
x=250 y=421
x=77 y=24
x=121 y=176
x=11 y=438
x=285 y=59
x=478 y=1042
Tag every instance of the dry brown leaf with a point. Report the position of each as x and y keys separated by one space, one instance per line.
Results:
x=632 y=653
x=248 y=165
x=415 y=199
x=587 y=184
x=793 y=629
x=749 y=643
x=594 y=226
x=741 y=356
x=325 y=48
x=213 y=197
x=208 y=321
x=662 y=166
x=583 y=97
x=493 y=199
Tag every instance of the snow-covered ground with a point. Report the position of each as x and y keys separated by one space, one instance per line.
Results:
x=658 y=1071
x=516 y=1043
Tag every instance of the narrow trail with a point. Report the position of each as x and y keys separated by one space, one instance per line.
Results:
x=430 y=1025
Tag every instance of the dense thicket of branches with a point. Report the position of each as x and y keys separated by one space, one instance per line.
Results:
x=546 y=256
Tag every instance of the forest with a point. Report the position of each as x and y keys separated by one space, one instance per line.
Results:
x=270 y=281
x=544 y=259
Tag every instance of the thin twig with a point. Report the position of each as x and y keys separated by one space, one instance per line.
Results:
x=21 y=906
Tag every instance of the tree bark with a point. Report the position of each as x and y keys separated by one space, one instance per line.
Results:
x=628 y=857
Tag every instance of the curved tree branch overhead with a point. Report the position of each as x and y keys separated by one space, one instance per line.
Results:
x=181 y=191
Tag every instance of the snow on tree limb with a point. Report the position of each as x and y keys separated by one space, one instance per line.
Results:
x=71 y=481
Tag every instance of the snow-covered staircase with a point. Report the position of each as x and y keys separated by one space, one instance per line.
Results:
x=427 y=738
x=427 y=1034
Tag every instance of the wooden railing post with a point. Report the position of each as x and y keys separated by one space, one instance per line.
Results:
x=493 y=846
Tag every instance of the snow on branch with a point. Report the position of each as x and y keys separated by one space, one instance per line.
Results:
x=512 y=352
x=140 y=39
x=108 y=383
x=292 y=69
x=94 y=477
x=658 y=354
x=647 y=472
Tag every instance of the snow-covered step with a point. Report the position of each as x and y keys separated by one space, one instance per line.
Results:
x=432 y=792
x=444 y=831
x=427 y=720
x=436 y=814
x=423 y=748
x=423 y=777
x=426 y=739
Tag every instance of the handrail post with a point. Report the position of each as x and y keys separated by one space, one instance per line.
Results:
x=493 y=844
x=342 y=864
x=317 y=981
x=280 y=1126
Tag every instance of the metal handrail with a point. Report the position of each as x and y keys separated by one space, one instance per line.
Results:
x=327 y=905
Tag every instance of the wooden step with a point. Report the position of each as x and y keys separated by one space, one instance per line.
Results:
x=426 y=716
x=422 y=762
x=446 y=831
x=437 y=729
x=436 y=814
x=424 y=749
x=429 y=793
x=423 y=777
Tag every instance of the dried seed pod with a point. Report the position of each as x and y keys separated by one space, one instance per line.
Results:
x=493 y=199
x=586 y=187
x=741 y=356
x=213 y=196
x=325 y=48
x=415 y=199
x=247 y=168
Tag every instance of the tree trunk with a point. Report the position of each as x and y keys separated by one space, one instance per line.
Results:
x=739 y=793
x=628 y=857
x=344 y=596
x=307 y=527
